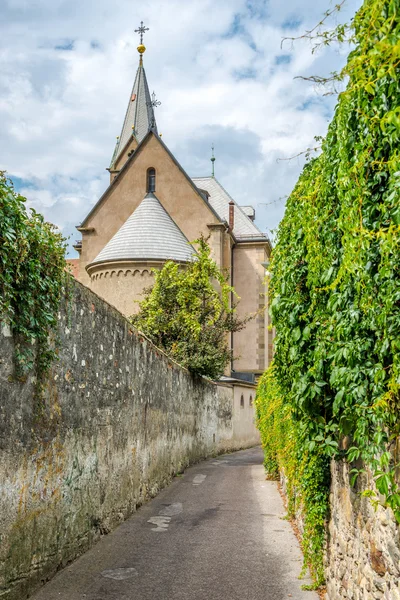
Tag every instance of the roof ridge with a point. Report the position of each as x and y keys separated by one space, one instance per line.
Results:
x=213 y=178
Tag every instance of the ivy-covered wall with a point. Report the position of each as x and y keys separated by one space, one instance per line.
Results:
x=334 y=389
x=112 y=421
x=335 y=282
x=350 y=545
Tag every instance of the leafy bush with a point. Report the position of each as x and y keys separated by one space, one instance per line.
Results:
x=188 y=314
x=335 y=283
x=32 y=275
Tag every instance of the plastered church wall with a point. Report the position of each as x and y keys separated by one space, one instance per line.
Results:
x=251 y=344
x=123 y=285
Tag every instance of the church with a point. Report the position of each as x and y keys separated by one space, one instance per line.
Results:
x=149 y=214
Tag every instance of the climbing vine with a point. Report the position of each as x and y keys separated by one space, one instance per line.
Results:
x=306 y=473
x=335 y=285
x=32 y=277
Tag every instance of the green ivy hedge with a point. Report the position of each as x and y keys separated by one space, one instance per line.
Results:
x=32 y=277
x=335 y=283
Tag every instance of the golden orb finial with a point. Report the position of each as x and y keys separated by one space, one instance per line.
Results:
x=141 y=48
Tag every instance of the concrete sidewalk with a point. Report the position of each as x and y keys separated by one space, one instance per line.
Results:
x=216 y=533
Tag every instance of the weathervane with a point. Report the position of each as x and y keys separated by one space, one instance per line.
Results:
x=141 y=30
x=212 y=159
x=153 y=104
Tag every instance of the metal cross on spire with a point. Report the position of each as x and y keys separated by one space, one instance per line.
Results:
x=141 y=30
x=153 y=104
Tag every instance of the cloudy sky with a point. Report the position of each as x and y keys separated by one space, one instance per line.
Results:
x=66 y=72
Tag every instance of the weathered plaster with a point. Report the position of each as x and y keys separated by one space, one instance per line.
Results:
x=123 y=283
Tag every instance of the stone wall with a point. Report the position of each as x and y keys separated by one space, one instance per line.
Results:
x=362 y=558
x=116 y=422
x=363 y=553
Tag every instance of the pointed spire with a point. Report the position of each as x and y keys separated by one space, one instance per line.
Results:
x=139 y=117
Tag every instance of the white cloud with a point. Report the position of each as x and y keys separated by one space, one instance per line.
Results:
x=66 y=70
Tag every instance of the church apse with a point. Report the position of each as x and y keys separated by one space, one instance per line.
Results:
x=123 y=284
x=123 y=269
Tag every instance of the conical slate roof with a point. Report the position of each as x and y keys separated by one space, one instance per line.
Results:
x=148 y=234
x=139 y=114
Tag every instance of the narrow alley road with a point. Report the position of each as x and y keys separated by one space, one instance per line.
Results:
x=216 y=533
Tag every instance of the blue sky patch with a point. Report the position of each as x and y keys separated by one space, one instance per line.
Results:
x=257 y=9
x=283 y=59
x=291 y=23
x=308 y=104
x=20 y=183
x=235 y=28
x=247 y=73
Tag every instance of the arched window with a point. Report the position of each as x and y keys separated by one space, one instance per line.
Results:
x=251 y=400
x=151 y=180
x=242 y=401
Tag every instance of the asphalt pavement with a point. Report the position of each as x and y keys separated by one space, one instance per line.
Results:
x=216 y=533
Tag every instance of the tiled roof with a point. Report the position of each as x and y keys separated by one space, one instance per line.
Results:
x=148 y=234
x=139 y=113
x=219 y=199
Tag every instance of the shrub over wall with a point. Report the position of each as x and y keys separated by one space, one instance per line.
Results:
x=335 y=286
x=189 y=314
